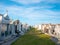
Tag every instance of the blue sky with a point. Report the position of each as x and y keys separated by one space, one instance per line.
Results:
x=32 y=11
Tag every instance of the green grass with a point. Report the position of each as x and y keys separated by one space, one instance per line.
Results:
x=34 y=37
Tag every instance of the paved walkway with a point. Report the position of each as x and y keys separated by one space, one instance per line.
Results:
x=56 y=40
x=8 y=42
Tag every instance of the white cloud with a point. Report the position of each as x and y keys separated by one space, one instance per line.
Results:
x=27 y=1
x=35 y=1
x=30 y=14
x=52 y=1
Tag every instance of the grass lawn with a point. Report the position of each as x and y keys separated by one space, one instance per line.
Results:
x=34 y=37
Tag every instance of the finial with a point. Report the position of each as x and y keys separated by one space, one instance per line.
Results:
x=6 y=13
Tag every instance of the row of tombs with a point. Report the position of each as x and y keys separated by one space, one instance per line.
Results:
x=51 y=29
x=9 y=28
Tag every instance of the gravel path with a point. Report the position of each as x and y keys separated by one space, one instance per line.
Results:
x=8 y=42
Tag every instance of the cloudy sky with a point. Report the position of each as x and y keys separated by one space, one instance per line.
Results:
x=32 y=11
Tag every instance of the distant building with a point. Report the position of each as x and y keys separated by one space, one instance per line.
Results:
x=25 y=27
x=38 y=27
